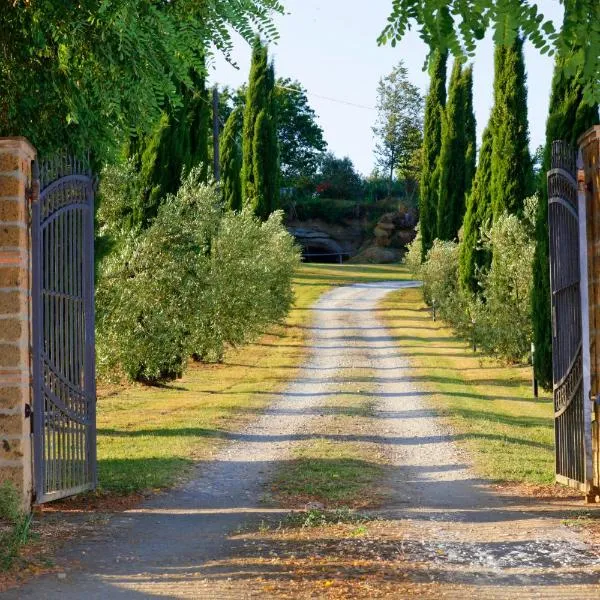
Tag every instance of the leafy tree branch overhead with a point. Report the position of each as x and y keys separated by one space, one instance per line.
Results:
x=457 y=25
x=93 y=74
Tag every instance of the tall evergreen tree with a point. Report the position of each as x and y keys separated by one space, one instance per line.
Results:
x=231 y=160
x=199 y=117
x=568 y=118
x=512 y=175
x=260 y=154
x=451 y=202
x=432 y=145
x=178 y=143
x=470 y=128
x=272 y=156
x=256 y=100
x=479 y=211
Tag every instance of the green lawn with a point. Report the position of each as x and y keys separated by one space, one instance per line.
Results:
x=148 y=437
x=490 y=406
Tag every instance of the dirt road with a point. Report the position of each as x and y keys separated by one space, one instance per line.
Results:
x=452 y=529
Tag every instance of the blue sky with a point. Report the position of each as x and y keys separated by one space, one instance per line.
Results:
x=330 y=46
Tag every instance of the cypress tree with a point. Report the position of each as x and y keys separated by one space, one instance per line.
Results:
x=451 y=202
x=512 y=176
x=260 y=168
x=199 y=115
x=470 y=128
x=432 y=144
x=260 y=160
x=231 y=161
x=479 y=211
x=567 y=119
x=256 y=100
x=272 y=146
x=178 y=143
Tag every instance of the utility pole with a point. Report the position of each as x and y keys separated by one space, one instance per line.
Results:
x=216 y=166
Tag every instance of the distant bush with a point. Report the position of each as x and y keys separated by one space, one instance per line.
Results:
x=412 y=258
x=339 y=179
x=504 y=319
x=499 y=318
x=197 y=279
x=325 y=209
x=377 y=188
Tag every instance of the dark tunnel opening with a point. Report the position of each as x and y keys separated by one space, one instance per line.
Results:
x=321 y=254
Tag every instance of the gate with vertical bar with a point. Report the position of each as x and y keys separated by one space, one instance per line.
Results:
x=566 y=225
x=64 y=389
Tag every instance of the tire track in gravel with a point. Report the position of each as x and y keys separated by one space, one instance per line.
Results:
x=455 y=530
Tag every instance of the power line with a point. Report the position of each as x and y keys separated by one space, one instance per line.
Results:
x=300 y=91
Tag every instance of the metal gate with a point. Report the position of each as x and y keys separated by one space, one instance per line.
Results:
x=64 y=389
x=567 y=271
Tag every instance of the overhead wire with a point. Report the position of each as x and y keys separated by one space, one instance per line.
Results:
x=301 y=91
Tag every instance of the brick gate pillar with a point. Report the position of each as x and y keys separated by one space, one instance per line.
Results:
x=16 y=155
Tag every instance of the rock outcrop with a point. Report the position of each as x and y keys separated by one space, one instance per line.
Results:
x=395 y=230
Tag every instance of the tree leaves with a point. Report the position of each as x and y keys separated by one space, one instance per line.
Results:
x=89 y=77
x=457 y=25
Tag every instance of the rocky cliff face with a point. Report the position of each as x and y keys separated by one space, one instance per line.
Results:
x=325 y=242
x=318 y=237
x=393 y=232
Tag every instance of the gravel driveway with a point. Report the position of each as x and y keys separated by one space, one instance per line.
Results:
x=466 y=534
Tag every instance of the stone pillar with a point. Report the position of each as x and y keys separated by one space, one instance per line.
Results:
x=16 y=155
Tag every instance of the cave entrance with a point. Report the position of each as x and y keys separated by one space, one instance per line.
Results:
x=321 y=254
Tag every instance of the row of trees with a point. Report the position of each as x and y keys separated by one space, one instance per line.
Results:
x=91 y=77
x=502 y=182
x=449 y=149
x=178 y=274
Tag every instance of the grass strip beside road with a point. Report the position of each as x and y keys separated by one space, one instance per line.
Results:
x=149 y=437
x=489 y=406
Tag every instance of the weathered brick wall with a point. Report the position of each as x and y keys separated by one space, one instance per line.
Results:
x=590 y=180
x=16 y=155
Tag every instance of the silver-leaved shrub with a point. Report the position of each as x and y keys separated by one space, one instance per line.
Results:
x=198 y=279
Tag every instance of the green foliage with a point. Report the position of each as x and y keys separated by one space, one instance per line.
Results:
x=376 y=188
x=15 y=525
x=414 y=252
x=300 y=137
x=175 y=289
x=470 y=128
x=504 y=318
x=260 y=168
x=95 y=74
x=499 y=318
x=179 y=142
x=432 y=146
x=231 y=160
x=120 y=204
x=458 y=25
x=512 y=174
x=473 y=256
x=320 y=518
x=568 y=118
x=338 y=178
x=439 y=273
x=260 y=152
x=252 y=266
x=399 y=126
x=452 y=165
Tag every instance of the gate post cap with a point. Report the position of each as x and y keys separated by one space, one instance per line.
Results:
x=19 y=143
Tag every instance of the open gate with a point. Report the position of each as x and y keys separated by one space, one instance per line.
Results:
x=570 y=351
x=64 y=389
